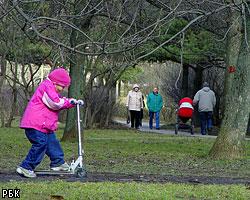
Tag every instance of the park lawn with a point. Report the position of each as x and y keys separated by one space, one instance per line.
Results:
x=131 y=152
x=129 y=191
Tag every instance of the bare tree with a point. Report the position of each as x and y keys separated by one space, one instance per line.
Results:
x=127 y=25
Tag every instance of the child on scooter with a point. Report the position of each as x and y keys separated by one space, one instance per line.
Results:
x=40 y=122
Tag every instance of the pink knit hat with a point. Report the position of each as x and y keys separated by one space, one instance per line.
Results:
x=60 y=76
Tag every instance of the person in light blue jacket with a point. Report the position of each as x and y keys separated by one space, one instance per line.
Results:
x=154 y=103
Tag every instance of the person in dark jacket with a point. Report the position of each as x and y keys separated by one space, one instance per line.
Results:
x=154 y=103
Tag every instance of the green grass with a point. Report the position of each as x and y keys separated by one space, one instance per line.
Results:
x=127 y=191
x=130 y=152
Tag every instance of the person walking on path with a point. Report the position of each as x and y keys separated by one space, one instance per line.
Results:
x=155 y=104
x=206 y=102
x=40 y=122
x=134 y=104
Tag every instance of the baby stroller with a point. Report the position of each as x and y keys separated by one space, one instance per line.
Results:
x=184 y=116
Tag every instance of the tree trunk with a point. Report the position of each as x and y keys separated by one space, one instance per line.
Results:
x=184 y=83
x=197 y=87
x=111 y=103
x=216 y=112
x=230 y=141
x=248 y=125
x=13 y=107
x=198 y=78
x=2 y=79
x=119 y=89
x=77 y=67
x=75 y=90
x=126 y=88
x=14 y=94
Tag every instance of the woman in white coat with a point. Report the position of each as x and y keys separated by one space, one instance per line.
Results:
x=134 y=105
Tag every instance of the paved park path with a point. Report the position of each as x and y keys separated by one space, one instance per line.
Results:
x=145 y=128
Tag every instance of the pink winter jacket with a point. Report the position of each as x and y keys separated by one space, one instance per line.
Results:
x=42 y=110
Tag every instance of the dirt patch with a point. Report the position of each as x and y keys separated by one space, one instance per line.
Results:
x=114 y=177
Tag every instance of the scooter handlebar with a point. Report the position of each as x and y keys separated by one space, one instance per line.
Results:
x=75 y=102
x=80 y=102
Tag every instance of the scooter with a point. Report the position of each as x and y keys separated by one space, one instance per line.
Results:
x=76 y=166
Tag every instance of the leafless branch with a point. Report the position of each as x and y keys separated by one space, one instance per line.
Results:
x=184 y=29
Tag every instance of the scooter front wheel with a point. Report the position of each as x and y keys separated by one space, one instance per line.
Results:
x=81 y=173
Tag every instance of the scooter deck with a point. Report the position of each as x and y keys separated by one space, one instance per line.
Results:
x=51 y=172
